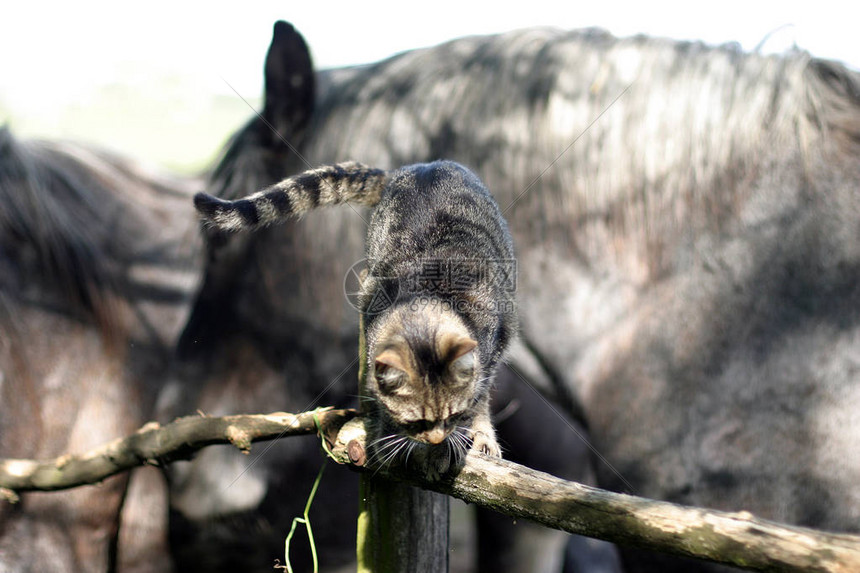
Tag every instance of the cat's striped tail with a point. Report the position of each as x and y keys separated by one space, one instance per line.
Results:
x=348 y=182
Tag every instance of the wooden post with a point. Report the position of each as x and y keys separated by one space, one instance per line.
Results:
x=401 y=529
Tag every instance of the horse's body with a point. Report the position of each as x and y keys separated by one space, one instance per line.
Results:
x=97 y=268
x=689 y=263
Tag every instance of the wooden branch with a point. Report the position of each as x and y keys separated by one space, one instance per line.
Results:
x=737 y=539
x=157 y=445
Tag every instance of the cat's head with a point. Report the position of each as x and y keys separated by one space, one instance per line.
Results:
x=425 y=372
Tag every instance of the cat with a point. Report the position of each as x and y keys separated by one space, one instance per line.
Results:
x=437 y=298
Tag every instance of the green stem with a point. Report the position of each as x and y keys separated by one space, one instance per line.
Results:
x=305 y=520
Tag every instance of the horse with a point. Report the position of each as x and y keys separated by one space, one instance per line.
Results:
x=686 y=224
x=99 y=258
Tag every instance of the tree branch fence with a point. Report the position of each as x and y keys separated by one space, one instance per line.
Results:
x=393 y=538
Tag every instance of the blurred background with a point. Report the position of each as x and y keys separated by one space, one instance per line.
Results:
x=168 y=82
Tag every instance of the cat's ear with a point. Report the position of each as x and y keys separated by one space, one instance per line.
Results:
x=390 y=370
x=452 y=346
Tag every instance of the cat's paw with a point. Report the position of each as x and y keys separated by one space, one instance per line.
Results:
x=486 y=444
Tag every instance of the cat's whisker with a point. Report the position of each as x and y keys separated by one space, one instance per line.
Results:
x=452 y=440
x=461 y=437
x=409 y=449
x=448 y=453
x=394 y=445
x=382 y=453
x=380 y=444
x=388 y=438
x=396 y=453
x=391 y=444
x=386 y=457
x=457 y=451
x=464 y=433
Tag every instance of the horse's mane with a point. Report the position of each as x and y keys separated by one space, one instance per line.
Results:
x=73 y=222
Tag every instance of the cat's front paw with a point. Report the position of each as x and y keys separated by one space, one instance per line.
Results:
x=486 y=444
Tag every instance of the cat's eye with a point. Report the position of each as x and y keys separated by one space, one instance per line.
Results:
x=453 y=420
x=464 y=367
x=418 y=426
x=389 y=378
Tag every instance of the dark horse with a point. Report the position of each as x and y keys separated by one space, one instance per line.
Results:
x=687 y=222
x=97 y=267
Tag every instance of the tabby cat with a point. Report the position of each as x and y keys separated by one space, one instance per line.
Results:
x=437 y=298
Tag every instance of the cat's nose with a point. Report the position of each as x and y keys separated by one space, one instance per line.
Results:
x=435 y=436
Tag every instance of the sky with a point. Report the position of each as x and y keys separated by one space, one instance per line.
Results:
x=55 y=54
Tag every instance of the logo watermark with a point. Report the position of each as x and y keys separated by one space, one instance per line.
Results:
x=460 y=305
x=446 y=277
